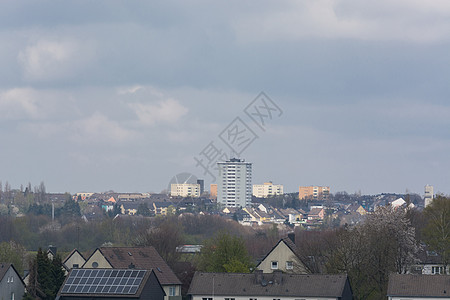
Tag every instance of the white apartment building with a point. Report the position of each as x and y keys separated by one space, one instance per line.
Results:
x=185 y=190
x=429 y=194
x=267 y=189
x=234 y=186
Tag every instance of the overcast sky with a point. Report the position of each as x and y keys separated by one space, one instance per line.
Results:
x=123 y=95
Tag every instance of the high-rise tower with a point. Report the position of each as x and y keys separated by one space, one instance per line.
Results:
x=234 y=188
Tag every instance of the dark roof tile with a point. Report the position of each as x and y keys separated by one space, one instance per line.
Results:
x=408 y=285
x=291 y=285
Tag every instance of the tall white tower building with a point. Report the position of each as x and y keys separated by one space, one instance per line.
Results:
x=234 y=187
x=429 y=195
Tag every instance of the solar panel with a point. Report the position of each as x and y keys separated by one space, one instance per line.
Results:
x=108 y=281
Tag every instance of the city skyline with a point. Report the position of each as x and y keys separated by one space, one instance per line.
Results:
x=123 y=96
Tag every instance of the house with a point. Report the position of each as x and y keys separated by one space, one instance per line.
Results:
x=117 y=284
x=292 y=216
x=279 y=286
x=161 y=208
x=11 y=283
x=129 y=208
x=316 y=214
x=73 y=261
x=430 y=263
x=144 y=258
x=283 y=256
x=416 y=287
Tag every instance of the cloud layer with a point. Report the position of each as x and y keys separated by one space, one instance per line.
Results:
x=140 y=88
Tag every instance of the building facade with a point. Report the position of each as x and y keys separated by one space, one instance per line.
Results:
x=11 y=284
x=267 y=189
x=213 y=191
x=185 y=190
x=234 y=187
x=313 y=192
x=429 y=195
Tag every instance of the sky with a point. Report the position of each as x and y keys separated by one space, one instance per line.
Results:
x=124 y=95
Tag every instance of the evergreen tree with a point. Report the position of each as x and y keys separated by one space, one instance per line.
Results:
x=46 y=277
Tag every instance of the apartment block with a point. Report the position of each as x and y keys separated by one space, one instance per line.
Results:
x=267 y=189
x=213 y=191
x=234 y=188
x=313 y=192
x=185 y=190
x=429 y=194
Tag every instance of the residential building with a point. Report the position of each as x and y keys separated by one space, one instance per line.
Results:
x=73 y=261
x=120 y=284
x=185 y=190
x=11 y=283
x=267 y=189
x=234 y=187
x=417 y=287
x=278 y=286
x=317 y=213
x=313 y=192
x=162 y=208
x=201 y=182
x=145 y=258
x=83 y=195
x=284 y=257
x=129 y=208
x=430 y=263
x=429 y=195
x=213 y=191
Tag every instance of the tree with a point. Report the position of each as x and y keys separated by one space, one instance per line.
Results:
x=437 y=229
x=14 y=253
x=46 y=277
x=165 y=238
x=370 y=251
x=70 y=211
x=225 y=253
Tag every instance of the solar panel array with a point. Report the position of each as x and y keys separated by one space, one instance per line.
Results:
x=109 y=281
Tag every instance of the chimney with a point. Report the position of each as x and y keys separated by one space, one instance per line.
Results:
x=277 y=276
x=258 y=276
x=291 y=236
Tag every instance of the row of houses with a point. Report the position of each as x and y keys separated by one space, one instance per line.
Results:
x=141 y=273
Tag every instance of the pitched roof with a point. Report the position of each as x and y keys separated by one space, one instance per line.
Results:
x=290 y=285
x=3 y=269
x=288 y=243
x=142 y=258
x=419 y=285
x=72 y=253
x=108 y=283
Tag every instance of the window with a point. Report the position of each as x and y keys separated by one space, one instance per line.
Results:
x=274 y=265
x=207 y=298
x=172 y=291
x=289 y=265
x=95 y=264
x=75 y=266
x=437 y=270
x=230 y=299
x=12 y=296
x=12 y=279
